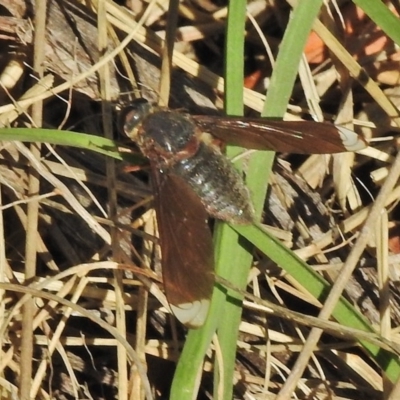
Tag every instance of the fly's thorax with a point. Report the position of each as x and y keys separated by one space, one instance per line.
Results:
x=166 y=137
x=218 y=184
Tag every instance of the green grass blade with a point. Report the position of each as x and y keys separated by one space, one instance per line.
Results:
x=282 y=82
x=232 y=260
x=85 y=141
x=382 y=16
x=226 y=243
x=344 y=312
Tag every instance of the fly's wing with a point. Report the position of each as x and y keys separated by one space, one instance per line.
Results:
x=186 y=248
x=300 y=137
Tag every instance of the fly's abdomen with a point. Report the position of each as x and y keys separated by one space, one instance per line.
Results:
x=218 y=184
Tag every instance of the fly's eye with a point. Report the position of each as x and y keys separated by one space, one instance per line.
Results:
x=132 y=116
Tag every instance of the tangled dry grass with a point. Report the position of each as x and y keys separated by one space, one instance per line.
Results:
x=82 y=314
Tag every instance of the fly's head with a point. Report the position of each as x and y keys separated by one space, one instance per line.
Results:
x=133 y=116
